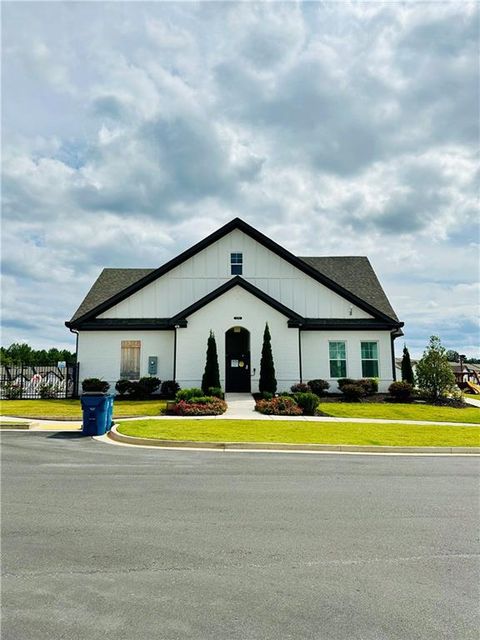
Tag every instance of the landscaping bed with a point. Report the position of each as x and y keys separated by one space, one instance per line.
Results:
x=295 y=432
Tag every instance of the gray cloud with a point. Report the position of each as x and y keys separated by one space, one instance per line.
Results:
x=334 y=128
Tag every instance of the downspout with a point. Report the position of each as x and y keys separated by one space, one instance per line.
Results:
x=300 y=352
x=77 y=364
x=394 y=368
x=175 y=352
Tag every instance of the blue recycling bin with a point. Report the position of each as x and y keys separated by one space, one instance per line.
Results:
x=97 y=411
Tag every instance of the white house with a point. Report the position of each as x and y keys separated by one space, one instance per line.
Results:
x=328 y=317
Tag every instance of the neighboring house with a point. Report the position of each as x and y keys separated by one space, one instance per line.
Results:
x=463 y=372
x=329 y=317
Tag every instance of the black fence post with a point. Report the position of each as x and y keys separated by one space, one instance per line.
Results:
x=21 y=383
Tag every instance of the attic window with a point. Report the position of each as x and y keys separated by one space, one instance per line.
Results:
x=236 y=264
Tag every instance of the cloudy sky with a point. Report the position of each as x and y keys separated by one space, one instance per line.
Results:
x=132 y=130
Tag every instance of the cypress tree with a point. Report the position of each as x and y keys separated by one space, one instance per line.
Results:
x=407 y=371
x=267 y=381
x=211 y=375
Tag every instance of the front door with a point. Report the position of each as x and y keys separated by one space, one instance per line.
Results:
x=237 y=360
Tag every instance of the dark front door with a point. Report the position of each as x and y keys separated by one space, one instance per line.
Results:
x=237 y=360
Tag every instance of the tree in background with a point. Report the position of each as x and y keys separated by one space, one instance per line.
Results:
x=407 y=371
x=435 y=377
x=453 y=356
x=268 y=382
x=211 y=375
x=23 y=353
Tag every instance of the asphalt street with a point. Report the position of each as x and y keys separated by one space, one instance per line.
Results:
x=108 y=542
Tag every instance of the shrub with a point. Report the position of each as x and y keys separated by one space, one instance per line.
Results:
x=12 y=390
x=300 y=387
x=169 y=388
x=47 y=391
x=401 y=391
x=214 y=408
x=281 y=406
x=211 y=375
x=266 y=395
x=343 y=381
x=308 y=402
x=145 y=387
x=267 y=381
x=201 y=400
x=95 y=384
x=369 y=385
x=186 y=394
x=318 y=386
x=217 y=392
x=455 y=400
x=435 y=377
x=123 y=386
x=407 y=370
x=353 y=392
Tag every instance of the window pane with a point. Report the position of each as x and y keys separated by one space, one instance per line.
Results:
x=369 y=350
x=370 y=368
x=338 y=369
x=236 y=270
x=337 y=351
x=236 y=258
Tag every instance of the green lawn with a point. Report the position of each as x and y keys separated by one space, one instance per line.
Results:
x=58 y=409
x=303 y=432
x=394 y=411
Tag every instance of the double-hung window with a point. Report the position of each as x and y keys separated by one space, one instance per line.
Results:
x=369 y=359
x=130 y=360
x=338 y=359
x=236 y=264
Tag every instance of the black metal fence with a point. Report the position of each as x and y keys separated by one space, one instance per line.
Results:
x=25 y=382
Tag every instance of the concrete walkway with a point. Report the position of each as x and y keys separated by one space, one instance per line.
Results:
x=475 y=402
x=240 y=405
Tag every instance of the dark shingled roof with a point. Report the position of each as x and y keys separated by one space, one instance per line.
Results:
x=355 y=274
x=108 y=283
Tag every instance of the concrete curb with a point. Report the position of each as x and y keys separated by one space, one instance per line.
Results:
x=278 y=446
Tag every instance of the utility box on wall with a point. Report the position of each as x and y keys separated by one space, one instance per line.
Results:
x=152 y=365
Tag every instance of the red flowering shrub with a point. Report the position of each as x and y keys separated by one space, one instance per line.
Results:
x=212 y=407
x=281 y=406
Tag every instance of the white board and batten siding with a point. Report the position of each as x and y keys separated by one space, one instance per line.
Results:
x=210 y=268
x=219 y=316
x=316 y=357
x=99 y=353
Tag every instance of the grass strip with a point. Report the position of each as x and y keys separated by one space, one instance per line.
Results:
x=394 y=411
x=71 y=408
x=405 y=435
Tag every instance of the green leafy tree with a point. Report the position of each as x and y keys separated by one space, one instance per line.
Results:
x=435 y=377
x=211 y=375
x=268 y=382
x=407 y=371
x=453 y=356
x=22 y=353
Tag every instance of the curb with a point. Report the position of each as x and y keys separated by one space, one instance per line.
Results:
x=113 y=434
x=22 y=426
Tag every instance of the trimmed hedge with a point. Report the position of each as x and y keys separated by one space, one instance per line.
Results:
x=308 y=402
x=318 y=386
x=281 y=406
x=201 y=406
x=95 y=384
x=401 y=391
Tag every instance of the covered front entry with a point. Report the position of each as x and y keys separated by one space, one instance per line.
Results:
x=237 y=360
